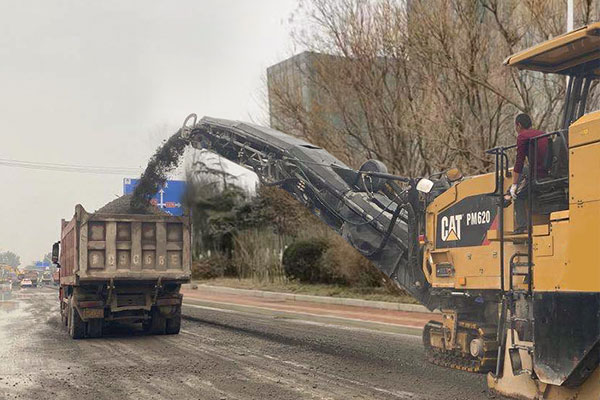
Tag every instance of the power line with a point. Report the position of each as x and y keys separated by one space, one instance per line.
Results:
x=65 y=165
x=85 y=169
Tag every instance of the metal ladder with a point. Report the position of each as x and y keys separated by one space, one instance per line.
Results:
x=516 y=265
x=513 y=295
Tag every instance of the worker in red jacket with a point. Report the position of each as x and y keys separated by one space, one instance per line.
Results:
x=519 y=188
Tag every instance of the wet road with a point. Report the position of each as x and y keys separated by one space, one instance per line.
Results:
x=218 y=355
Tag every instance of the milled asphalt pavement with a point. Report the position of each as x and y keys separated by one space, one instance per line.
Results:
x=379 y=316
x=220 y=354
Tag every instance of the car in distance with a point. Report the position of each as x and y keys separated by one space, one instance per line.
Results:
x=26 y=283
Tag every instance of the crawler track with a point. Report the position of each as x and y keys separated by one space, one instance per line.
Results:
x=458 y=360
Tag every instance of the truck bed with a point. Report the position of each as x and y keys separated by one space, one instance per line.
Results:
x=101 y=247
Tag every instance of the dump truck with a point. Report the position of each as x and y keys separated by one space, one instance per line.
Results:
x=122 y=267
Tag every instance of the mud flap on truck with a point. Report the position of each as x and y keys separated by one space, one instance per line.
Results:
x=173 y=315
x=83 y=318
x=166 y=311
x=163 y=323
x=157 y=324
x=174 y=323
x=75 y=324
x=165 y=317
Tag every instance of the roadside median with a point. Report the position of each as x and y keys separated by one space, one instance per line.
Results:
x=381 y=305
x=357 y=313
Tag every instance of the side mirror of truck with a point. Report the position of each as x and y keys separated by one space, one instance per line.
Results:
x=55 y=250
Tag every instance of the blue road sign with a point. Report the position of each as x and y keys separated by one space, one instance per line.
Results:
x=42 y=264
x=168 y=198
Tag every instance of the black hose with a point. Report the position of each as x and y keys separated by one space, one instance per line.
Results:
x=388 y=232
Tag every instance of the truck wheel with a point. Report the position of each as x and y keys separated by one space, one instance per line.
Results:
x=94 y=327
x=174 y=324
x=76 y=324
x=158 y=323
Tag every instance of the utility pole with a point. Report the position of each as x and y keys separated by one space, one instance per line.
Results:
x=569 y=25
x=569 y=15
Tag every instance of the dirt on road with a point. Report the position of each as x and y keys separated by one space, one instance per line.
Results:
x=219 y=355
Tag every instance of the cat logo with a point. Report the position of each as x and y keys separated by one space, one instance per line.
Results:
x=451 y=227
x=466 y=223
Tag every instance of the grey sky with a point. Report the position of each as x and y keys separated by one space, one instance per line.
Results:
x=103 y=82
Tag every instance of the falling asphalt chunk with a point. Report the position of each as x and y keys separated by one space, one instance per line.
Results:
x=154 y=177
x=122 y=205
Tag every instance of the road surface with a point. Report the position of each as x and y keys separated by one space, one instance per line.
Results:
x=220 y=354
x=392 y=321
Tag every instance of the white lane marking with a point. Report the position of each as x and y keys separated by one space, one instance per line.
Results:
x=299 y=313
x=212 y=308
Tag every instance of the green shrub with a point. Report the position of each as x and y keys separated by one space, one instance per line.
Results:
x=302 y=260
x=329 y=260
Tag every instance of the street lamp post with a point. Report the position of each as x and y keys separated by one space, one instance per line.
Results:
x=569 y=15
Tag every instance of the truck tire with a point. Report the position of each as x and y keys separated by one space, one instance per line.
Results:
x=174 y=323
x=158 y=323
x=76 y=324
x=94 y=327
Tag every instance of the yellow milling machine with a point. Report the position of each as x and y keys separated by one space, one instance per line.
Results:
x=524 y=308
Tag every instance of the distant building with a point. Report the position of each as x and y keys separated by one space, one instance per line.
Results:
x=297 y=88
x=299 y=79
x=292 y=76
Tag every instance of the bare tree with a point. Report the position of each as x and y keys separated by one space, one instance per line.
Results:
x=9 y=258
x=417 y=84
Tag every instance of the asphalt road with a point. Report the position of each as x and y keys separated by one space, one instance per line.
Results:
x=219 y=354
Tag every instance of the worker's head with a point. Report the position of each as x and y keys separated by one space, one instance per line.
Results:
x=522 y=122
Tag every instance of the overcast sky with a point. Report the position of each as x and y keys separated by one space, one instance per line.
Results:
x=103 y=82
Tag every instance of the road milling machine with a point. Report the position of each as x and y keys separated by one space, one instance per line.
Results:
x=524 y=308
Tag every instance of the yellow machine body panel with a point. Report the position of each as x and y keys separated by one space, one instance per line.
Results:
x=462 y=249
x=563 y=242
x=573 y=265
x=561 y=54
x=585 y=130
